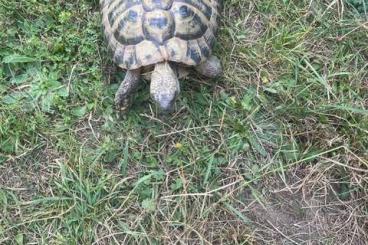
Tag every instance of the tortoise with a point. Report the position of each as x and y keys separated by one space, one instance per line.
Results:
x=165 y=38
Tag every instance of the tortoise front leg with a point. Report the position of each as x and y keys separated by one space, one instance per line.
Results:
x=210 y=68
x=126 y=88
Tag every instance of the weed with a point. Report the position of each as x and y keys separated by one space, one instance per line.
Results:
x=273 y=152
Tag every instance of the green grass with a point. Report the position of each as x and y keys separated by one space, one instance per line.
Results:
x=273 y=152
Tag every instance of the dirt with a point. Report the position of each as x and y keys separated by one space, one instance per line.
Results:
x=305 y=211
x=30 y=175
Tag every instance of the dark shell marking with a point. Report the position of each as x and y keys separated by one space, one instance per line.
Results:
x=123 y=35
x=158 y=26
x=194 y=54
x=200 y=5
x=192 y=26
x=118 y=7
x=145 y=32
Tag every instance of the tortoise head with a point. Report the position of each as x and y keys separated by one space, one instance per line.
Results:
x=164 y=87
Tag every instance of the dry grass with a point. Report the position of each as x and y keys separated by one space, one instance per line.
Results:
x=274 y=152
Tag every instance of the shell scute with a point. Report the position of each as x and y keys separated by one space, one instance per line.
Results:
x=145 y=32
x=158 y=26
x=189 y=24
x=128 y=29
x=150 y=5
x=202 y=6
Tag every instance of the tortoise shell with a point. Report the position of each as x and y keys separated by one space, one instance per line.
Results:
x=145 y=32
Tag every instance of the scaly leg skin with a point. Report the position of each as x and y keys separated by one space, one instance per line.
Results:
x=210 y=68
x=126 y=88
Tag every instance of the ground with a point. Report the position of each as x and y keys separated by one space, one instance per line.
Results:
x=273 y=152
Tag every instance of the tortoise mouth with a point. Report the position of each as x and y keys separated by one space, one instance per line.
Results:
x=165 y=102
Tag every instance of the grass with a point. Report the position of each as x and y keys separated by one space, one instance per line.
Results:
x=273 y=152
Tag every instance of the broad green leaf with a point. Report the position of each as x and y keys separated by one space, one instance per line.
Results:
x=79 y=111
x=15 y=58
x=19 y=239
x=149 y=205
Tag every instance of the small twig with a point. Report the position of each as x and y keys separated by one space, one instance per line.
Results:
x=12 y=188
x=291 y=240
x=187 y=195
x=90 y=125
x=70 y=78
x=345 y=165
